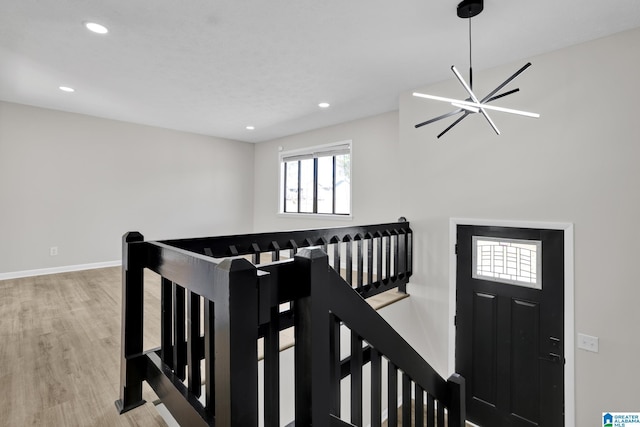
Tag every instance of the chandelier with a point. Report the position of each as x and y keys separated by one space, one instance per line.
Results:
x=472 y=105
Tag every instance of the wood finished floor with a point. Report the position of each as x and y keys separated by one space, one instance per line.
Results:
x=60 y=347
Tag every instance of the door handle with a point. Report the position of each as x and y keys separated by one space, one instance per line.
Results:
x=553 y=358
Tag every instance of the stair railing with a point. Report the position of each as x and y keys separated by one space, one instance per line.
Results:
x=229 y=293
x=242 y=303
x=372 y=258
x=319 y=368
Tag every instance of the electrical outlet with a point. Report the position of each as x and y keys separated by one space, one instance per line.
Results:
x=53 y=251
x=587 y=342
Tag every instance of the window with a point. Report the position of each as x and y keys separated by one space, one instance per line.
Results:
x=512 y=261
x=316 y=180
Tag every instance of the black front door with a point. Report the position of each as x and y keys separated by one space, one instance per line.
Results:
x=509 y=325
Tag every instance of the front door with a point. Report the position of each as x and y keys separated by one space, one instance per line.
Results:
x=510 y=323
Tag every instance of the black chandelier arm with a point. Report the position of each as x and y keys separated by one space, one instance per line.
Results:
x=466 y=113
x=474 y=98
x=435 y=119
x=506 y=82
x=502 y=95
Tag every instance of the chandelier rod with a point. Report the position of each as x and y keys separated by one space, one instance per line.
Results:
x=470 y=67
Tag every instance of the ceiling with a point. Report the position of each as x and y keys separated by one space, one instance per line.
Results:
x=215 y=66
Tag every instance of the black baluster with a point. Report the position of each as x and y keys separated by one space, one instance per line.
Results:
x=272 y=368
x=294 y=248
x=179 y=356
x=409 y=252
x=360 y=266
x=335 y=370
x=440 y=410
x=369 y=260
x=255 y=256
x=406 y=400
x=166 y=319
x=387 y=247
x=396 y=255
x=349 y=267
x=392 y=402
x=209 y=355
x=275 y=253
x=194 y=345
x=419 y=406
x=379 y=259
x=431 y=412
x=376 y=389
x=323 y=242
x=402 y=261
x=356 y=379
x=336 y=257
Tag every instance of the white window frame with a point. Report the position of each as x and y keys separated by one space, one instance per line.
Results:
x=326 y=150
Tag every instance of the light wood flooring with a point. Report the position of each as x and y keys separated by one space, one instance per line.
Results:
x=60 y=349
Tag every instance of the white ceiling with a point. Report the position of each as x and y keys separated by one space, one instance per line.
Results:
x=215 y=66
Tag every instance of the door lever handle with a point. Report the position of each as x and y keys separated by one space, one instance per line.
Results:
x=552 y=357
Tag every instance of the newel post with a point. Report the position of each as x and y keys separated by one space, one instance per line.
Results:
x=131 y=375
x=457 y=409
x=312 y=355
x=236 y=353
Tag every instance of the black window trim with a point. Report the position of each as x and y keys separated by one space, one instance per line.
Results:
x=329 y=150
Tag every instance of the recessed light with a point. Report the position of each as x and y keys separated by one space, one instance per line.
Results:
x=96 y=28
x=250 y=127
x=66 y=89
x=324 y=105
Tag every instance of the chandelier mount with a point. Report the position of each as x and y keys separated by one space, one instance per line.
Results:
x=470 y=8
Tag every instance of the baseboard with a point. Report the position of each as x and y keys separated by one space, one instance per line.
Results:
x=56 y=270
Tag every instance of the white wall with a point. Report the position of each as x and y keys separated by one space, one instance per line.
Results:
x=578 y=163
x=374 y=149
x=79 y=182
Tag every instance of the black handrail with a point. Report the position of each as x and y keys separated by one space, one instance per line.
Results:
x=331 y=301
x=387 y=251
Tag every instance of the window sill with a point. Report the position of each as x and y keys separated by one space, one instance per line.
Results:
x=316 y=216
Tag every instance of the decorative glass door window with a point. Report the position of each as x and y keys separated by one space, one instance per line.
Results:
x=512 y=261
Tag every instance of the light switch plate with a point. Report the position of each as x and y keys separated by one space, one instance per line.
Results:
x=588 y=342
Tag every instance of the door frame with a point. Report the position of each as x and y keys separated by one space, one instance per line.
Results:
x=569 y=311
